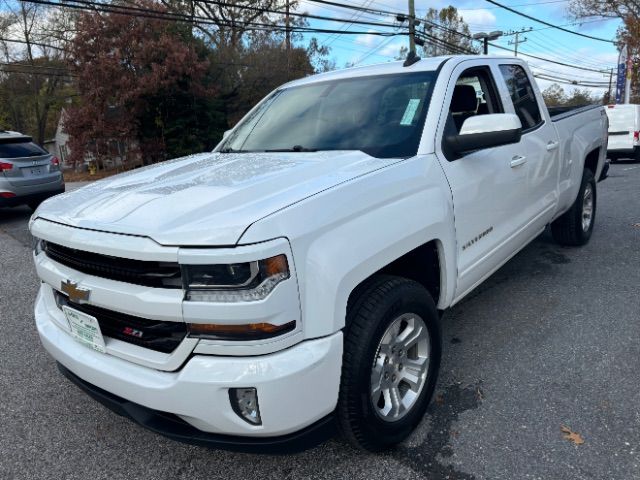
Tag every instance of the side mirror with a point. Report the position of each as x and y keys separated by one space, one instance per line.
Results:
x=226 y=134
x=484 y=131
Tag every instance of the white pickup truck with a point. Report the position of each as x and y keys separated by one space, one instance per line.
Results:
x=293 y=280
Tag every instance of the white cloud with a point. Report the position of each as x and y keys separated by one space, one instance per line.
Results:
x=366 y=40
x=479 y=18
x=392 y=49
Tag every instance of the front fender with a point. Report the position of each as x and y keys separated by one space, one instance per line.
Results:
x=343 y=235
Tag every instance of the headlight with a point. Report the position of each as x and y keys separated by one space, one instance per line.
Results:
x=235 y=282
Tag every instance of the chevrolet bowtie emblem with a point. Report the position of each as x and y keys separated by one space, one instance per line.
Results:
x=75 y=293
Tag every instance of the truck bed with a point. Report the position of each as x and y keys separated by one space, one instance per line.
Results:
x=558 y=113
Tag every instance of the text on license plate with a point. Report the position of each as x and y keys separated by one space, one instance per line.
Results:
x=85 y=329
x=32 y=171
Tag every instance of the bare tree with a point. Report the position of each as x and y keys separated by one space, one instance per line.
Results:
x=33 y=78
x=445 y=33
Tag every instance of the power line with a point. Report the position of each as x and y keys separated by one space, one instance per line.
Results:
x=571 y=82
x=373 y=51
x=24 y=42
x=94 y=6
x=530 y=55
x=568 y=55
x=436 y=25
x=538 y=67
x=354 y=15
x=512 y=10
x=8 y=70
x=296 y=14
x=517 y=5
x=30 y=65
x=164 y=15
x=356 y=7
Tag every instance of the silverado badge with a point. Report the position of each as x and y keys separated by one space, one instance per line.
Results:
x=75 y=293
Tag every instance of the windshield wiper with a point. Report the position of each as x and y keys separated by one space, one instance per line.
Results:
x=231 y=150
x=295 y=148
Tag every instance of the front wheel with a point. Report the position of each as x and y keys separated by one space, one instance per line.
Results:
x=575 y=226
x=391 y=360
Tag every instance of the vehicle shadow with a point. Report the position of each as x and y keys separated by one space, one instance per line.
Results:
x=623 y=161
x=14 y=222
x=14 y=214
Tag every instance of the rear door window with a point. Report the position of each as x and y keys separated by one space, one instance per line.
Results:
x=20 y=148
x=522 y=95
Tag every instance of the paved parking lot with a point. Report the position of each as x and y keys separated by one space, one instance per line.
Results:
x=551 y=340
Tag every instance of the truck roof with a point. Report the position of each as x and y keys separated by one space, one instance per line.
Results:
x=424 y=64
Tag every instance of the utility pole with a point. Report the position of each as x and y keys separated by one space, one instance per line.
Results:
x=288 y=30
x=412 y=27
x=287 y=38
x=610 y=83
x=517 y=42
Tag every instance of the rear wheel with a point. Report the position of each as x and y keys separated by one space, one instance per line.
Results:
x=391 y=361
x=575 y=226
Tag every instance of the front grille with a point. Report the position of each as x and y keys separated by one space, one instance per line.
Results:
x=139 y=272
x=156 y=335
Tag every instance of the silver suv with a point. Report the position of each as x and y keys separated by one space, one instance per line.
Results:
x=28 y=173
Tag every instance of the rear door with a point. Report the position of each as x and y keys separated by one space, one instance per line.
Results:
x=623 y=123
x=25 y=163
x=539 y=147
x=489 y=186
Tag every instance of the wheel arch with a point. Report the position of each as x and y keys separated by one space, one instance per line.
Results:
x=592 y=160
x=424 y=264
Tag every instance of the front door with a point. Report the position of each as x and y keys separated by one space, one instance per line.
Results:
x=489 y=187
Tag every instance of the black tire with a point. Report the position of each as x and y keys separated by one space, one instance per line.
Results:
x=373 y=307
x=568 y=229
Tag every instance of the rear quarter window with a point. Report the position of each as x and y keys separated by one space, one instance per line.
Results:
x=522 y=95
x=20 y=148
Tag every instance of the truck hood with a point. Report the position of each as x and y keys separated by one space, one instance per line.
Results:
x=207 y=199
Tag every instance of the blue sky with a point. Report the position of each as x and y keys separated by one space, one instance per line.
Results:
x=482 y=16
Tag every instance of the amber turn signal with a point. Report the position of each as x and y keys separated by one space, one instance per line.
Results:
x=246 y=331
x=276 y=265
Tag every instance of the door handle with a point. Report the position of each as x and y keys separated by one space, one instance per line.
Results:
x=518 y=160
x=552 y=146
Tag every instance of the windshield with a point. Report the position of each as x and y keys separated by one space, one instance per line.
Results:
x=381 y=116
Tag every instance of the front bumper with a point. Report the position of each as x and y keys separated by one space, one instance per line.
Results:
x=297 y=387
x=175 y=428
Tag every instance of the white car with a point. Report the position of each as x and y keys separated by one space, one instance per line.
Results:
x=624 y=131
x=292 y=281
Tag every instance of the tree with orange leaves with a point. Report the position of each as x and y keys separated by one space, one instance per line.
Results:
x=143 y=85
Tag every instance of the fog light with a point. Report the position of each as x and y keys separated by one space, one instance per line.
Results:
x=244 y=402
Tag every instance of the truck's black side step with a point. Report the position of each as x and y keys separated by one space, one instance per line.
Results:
x=175 y=428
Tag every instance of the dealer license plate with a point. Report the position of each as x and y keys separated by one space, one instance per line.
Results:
x=85 y=329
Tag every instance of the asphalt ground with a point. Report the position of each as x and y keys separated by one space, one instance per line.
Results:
x=551 y=340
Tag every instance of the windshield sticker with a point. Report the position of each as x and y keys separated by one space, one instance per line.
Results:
x=410 y=111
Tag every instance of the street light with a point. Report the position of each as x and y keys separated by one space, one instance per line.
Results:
x=485 y=37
